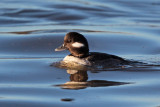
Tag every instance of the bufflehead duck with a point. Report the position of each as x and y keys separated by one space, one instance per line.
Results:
x=77 y=44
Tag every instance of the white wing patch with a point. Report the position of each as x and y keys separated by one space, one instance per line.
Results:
x=77 y=45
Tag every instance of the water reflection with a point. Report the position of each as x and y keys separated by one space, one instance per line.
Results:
x=78 y=80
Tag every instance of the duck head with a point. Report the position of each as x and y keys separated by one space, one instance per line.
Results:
x=76 y=43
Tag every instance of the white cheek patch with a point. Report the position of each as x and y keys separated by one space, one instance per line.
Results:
x=77 y=45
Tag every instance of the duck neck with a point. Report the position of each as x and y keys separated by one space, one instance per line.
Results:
x=81 y=55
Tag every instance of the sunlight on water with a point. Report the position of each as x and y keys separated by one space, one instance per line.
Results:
x=30 y=30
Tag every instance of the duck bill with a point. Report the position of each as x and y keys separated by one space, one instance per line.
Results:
x=61 y=48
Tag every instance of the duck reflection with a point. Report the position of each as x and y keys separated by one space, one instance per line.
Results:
x=78 y=80
x=78 y=75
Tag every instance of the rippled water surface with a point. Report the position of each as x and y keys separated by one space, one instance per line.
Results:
x=30 y=30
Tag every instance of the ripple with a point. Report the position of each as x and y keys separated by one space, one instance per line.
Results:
x=30 y=30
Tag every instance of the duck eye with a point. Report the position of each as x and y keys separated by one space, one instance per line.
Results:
x=68 y=41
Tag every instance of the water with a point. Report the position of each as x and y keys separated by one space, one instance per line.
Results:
x=30 y=30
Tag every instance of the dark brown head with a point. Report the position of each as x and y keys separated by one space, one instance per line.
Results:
x=76 y=43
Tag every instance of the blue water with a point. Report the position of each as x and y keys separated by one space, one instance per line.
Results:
x=30 y=30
